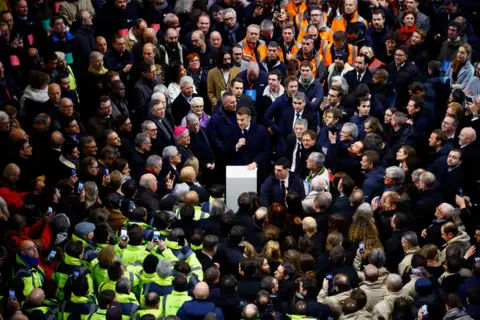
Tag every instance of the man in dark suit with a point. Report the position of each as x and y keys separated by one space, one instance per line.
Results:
x=276 y=187
x=342 y=203
x=209 y=247
x=361 y=74
x=289 y=115
x=470 y=154
x=156 y=113
x=247 y=144
x=294 y=143
x=181 y=105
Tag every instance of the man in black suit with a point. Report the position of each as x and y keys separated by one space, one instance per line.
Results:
x=181 y=105
x=345 y=188
x=156 y=113
x=247 y=143
x=470 y=155
x=276 y=187
x=205 y=256
x=361 y=74
x=294 y=143
x=142 y=144
x=290 y=115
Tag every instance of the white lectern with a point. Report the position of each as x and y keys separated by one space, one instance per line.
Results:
x=239 y=179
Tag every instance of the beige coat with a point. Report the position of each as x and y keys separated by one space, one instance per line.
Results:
x=69 y=9
x=216 y=83
x=382 y=275
x=383 y=310
x=409 y=288
x=375 y=292
x=335 y=302
x=461 y=239
x=359 y=315
x=407 y=260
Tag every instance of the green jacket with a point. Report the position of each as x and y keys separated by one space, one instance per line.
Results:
x=129 y=305
x=110 y=285
x=32 y=276
x=91 y=249
x=147 y=279
x=174 y=253
x=299 y=317
x=101 y=314
x=133 y=254
x=48 y=313
x=65 y=269
x=170 y=304
x=199 y=214
x=83 y=305
x=155 y=312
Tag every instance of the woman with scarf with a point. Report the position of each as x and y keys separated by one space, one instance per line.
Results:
x=461 y=70
x=408 y=27
x=198 y=75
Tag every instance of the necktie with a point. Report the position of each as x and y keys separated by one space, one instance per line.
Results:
x=284 y=192
x=297 y=116
x=359 y=77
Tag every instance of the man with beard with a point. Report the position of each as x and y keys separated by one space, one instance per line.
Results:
x=220 y=77
x=63 y=80
x=135 y=33
x=143 y=89
x=339 y=67
x=375 y=35
x=288 y=46
x=308 y=53
x=453 y=178
x=339 y=45
x=117 y=97
x=172 y=50
x=417 y=52
x=119 y=59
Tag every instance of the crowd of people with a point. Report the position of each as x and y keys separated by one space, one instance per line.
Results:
x=118 y=119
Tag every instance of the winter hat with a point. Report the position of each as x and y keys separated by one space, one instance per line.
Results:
x=113 y=201
x=179 y=131
x=84 y=228
x=342 y=55
x=423 y=286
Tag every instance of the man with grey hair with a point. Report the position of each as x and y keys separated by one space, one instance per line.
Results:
x=289 y=116
x=147 y=194
x=164 y=127
x=321 y=204
x=317 y=186
x=364 y=209
x=433 y=234
x=142 y=144
x=266 y=30
x=429 y=198
x=316 y=165
x=233 y=31
x=393 y=181
x=171 y=159
x=181 y=104
x=384 y=309
x=410 y=247
x=252 y=40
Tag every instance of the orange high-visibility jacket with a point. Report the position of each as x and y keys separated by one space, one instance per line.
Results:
x=327 y=54
x=340 y=24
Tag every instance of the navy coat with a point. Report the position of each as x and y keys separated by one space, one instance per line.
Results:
x=351 y=77
x=217 y=129
x=271 y=190
x=373 y=183
x=287 y=116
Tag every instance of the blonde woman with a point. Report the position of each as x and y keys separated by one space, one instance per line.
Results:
x=271 y=251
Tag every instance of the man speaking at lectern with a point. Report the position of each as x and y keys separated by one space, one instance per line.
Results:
x=247 y=144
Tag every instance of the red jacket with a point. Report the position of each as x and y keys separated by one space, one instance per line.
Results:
x=40 y=231
x=13 y=198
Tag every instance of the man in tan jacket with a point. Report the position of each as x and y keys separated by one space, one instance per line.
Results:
x=343 y=288
x=452 y=235
x=374 y=288
x=410 y=247
x=383 y=310
x=219 y=78
x=70 y=8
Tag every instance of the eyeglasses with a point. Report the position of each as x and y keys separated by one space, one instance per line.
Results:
x=194 y=61
x=154 y=130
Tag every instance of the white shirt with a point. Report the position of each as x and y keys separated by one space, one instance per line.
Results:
x=294 y=158
x=295 y=118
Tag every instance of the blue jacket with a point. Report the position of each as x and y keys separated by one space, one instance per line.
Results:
x=373 y=183
x=217 y=128
x=376 y=39
x=271 y=190
x=258 y=86
x=282 y=103
x=438 y=161
x=197 y=309
x=313 y=90
x=287 y=117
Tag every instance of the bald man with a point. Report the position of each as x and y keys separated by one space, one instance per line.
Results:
x=27 y=259
x=384 y=309
x=192 y=198
x=8 y=190
x=250 y=311
x=309 y=226
x=17 y=134
x=199 y=306
x=374 y=288
x=36 y=297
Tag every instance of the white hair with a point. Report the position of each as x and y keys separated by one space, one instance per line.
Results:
x=351 y=128
x=169 y=151
x=197 y=101
x=230 y=10
x=318 y=184
x=185 y=80
x=365 y=208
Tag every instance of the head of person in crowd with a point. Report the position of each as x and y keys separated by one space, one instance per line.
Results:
x=467 y=136
x=253 y=34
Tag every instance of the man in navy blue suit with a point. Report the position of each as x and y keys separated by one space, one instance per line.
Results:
x=290 y=115
x=247 y=143
x=361 y=74
x=277 y=186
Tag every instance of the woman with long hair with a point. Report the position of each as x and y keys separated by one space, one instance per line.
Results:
x=461 y=69
x=403 y=154
x=271 y=251
x=373 y=125
x=91 y=195
x=387 y=118
x=363 y=230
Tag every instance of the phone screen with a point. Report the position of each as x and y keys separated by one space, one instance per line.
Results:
x=107 y=172
x=80 y=187
x=74 y=172
x=123 y=234
x=51 y=255
x=11 y=293
x=181 y=240
x=50 y=211
x=76 y=274
x=362 y=247
x=156 y=235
